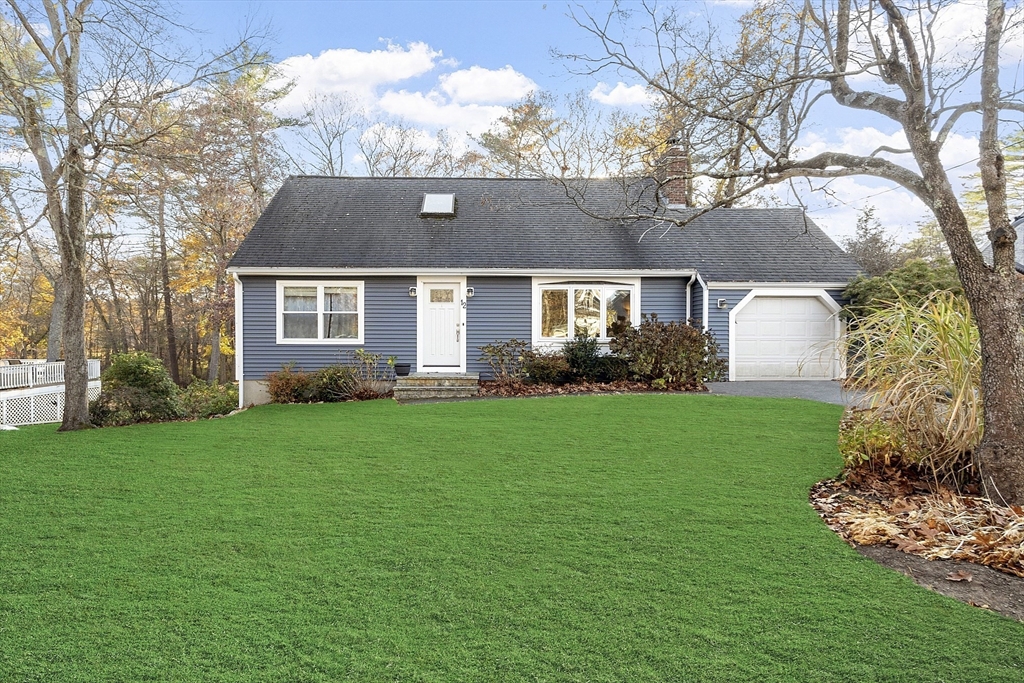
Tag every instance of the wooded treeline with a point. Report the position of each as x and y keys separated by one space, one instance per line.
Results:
x=168 y=203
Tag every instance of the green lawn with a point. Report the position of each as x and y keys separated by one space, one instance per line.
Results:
x=615 y=538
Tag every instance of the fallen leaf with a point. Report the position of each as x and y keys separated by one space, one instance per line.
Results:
x=960 y=575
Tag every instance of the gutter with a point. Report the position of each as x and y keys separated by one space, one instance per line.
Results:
x=537 y=272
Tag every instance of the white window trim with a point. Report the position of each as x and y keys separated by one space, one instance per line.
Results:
x=421 y=301
x=540 y=283
x=838 y=363
x=320 y=284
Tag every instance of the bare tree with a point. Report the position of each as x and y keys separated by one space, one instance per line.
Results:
x=883 y=59
x=76 y=75
x=393 y=149
x=329 y=120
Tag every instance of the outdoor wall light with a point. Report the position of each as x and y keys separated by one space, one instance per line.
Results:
x=412 y=291
x=470 y=292
x=723 y=303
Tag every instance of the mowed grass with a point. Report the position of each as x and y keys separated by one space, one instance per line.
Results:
x=613 y=538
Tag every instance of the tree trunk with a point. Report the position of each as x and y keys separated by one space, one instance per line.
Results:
x=165 y=282
x=53 y=337
x=76 y=372
x=997 y=305
x=213 y=374
x=1000 y=456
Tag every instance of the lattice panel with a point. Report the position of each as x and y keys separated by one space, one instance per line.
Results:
x=49 y=407
x=37 y=408
x=18 y=411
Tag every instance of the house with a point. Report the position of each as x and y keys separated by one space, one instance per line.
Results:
x=430 y=269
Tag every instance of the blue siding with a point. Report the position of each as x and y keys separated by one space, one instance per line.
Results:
x=499 y=310
x=837 y=294
x=389 y=328
x=665 y=296
x=697 y=303
x=718 y=318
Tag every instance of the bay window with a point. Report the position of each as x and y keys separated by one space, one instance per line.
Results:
x=569 y=310
x=319 y=312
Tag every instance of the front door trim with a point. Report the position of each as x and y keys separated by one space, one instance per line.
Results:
x=421 y=302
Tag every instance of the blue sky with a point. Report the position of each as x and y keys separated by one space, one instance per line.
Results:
x=457 y=64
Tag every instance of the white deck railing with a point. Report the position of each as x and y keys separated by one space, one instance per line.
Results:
x=35 y=374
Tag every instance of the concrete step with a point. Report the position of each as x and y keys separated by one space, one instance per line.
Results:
x=429 y=379
x=421 y=393
x=437 y=385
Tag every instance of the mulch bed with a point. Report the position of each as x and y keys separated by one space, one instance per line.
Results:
x=624 y=387
x=960 y=545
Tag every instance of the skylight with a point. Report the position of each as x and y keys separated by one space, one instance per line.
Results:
x=438 y=205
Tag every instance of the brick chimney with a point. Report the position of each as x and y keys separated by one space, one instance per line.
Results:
x=675 y=163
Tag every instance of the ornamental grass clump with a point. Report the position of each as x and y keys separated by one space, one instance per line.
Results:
x=920 y=365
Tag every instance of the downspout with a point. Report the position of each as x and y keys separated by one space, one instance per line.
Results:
x=689 y=284
x=239 y=365
x=704 y=286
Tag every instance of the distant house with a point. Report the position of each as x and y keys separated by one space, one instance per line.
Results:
x=430 y=269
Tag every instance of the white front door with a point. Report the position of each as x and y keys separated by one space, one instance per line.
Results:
x=442 y=333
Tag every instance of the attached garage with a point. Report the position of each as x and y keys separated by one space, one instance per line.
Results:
x=784 y=335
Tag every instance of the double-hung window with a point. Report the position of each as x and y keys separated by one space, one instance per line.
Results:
x=592 y=309
x=319 y=312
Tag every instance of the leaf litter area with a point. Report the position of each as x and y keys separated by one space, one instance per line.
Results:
x=514 y=389
x=932 y=533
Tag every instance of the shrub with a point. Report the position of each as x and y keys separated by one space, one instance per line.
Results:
x=672 y=355
x=202 y=399
x=506 y=360
x=920 y=364
x=546 y=367
x=612 y=368
x=583 y=356
x=361 y=378
x=289 y=385
x=912 y=282
x=866 y=440
x=370 y=380
x=332 y=383
x=136 y=388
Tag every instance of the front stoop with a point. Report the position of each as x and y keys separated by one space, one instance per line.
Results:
x=437 y=385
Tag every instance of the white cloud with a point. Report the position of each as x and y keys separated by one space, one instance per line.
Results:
x=477 y=85
x=621 y=95
x=959 y=29
x=432 y=110
x=354 y=72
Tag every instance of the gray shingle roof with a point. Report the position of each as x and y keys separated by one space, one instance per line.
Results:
x=528 y=224
x=1018 y=254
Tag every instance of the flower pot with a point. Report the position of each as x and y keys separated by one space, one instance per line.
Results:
x=402 y=369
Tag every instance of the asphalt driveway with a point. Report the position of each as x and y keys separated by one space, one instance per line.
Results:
x=813 y=390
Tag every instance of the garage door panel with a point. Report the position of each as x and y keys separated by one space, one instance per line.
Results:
x=784 y=338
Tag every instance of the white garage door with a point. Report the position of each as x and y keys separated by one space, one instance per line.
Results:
x=784 y=337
